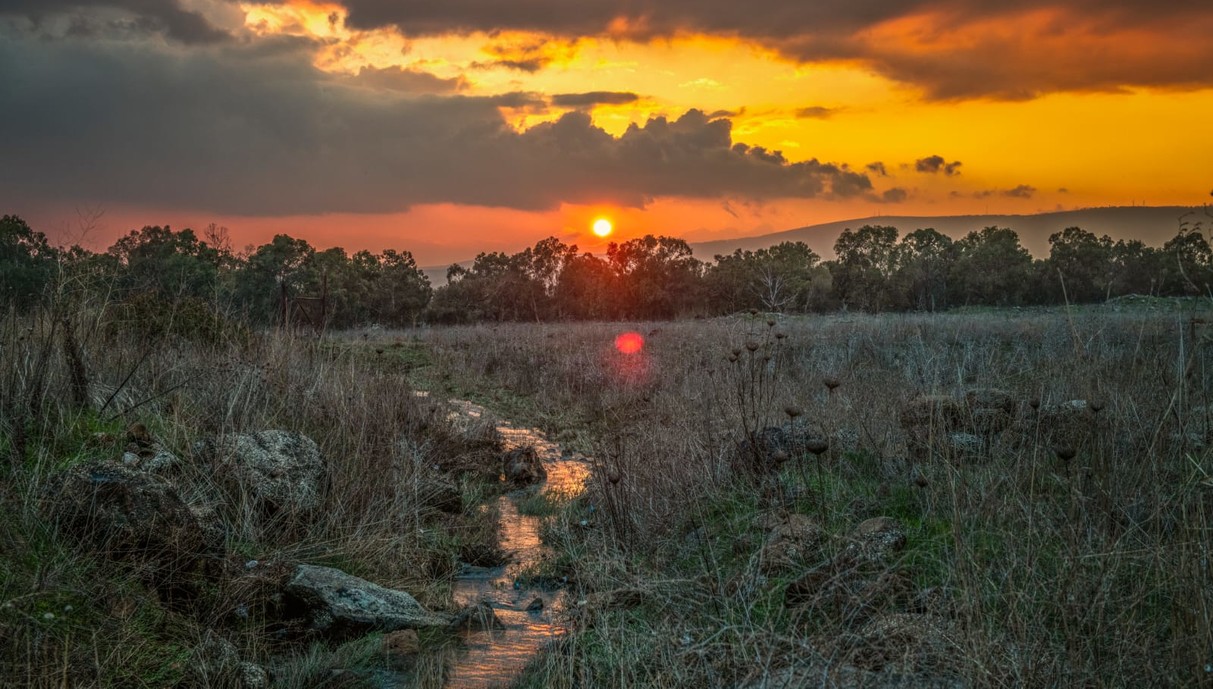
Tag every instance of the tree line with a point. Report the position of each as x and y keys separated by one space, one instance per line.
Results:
x=653 y=277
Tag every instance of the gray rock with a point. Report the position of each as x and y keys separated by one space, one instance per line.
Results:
x=125 y=514
x=338 y=602
x=522 y=467
x=281 y=470
x=875 y=541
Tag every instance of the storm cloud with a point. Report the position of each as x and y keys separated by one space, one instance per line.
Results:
x=952 y=49
x=256 y=129
x=167 y=17
x=937 y=164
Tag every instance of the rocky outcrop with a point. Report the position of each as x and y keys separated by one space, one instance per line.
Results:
x=956 y=428
x=280 y=470
x=522 y=467
x=342 y=604
x=792 y=540
x=216 y=662
x=875 y=541
x=124 y=514
x=772 y=446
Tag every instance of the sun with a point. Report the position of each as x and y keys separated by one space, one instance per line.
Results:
x=603 y=227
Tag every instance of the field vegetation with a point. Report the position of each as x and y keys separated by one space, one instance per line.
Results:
x=976 y=499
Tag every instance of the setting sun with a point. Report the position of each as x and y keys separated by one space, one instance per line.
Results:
x=602 y=227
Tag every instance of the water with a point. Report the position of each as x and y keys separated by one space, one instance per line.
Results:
x=496 y=657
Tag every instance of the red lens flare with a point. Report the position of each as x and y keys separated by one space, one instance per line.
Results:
x=629 y=343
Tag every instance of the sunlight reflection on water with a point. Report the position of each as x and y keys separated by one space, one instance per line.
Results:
x=496 y=657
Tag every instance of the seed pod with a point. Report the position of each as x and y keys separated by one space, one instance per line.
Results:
x=817 y=446
x=792 y=411
x=831 y=382
x=613 y=475
x=1065 y=452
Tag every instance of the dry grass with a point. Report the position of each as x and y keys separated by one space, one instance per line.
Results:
x=1092 y=571
x=69 y=618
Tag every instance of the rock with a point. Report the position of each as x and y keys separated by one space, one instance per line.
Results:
x=217 y=663
x=1070 y=423
x=400 y=647
x=904 y=642
x=989 y=410
x=535 y=605
x=771 y=447
x=522 y=467
x=281 y=470
x=875 y=541
x=478 y=617
x=791 y=540
x=822 y=672
x=965 y=445
x=127 y=515
x=339 y=603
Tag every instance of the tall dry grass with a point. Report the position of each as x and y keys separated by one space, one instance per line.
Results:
x=74 y=376
x=1090 y=571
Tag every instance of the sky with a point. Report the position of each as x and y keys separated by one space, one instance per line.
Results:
x=451 y=127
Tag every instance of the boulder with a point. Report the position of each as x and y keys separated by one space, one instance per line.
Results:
x=340 y=603
x=280 y=470
x=522 y=467
x=479 y=617
x=989 y=410
x=216 y=662
x=772 y=446
x=128 y=515
x=875 y=541
x=905 y=642
x=792 y=540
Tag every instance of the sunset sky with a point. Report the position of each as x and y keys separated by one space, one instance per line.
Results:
x=450 y=127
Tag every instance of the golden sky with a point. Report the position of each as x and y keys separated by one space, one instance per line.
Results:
x=468 y=125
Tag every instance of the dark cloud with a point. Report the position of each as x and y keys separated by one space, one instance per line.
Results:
x=894 y=195
x=951 y=48
x=592 y=98
x=257 y=129
x=150 y=16
x=407 y=80
x=877 y=168
x=816 y=112
x=1023 y=191
x=936 y=164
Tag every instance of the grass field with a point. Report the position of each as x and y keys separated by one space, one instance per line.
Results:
x=980 y=499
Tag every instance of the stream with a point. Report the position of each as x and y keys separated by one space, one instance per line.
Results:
x=496 y=657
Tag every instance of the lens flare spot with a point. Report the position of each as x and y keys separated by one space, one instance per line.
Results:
x=629 y=343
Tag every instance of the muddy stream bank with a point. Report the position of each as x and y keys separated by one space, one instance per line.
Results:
x=496 y=657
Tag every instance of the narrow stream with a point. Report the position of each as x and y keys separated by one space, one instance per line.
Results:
x=494 y=658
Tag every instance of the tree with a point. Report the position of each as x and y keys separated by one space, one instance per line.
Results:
x=27 y=264
x=926 y=260
x=1188 y=268
x=171 y=265
x=1083 y=263
x=659 y=277
x=991 y=268
x=778 y=278
x=865 y=271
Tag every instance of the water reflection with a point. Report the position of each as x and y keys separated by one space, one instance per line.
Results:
x=496 y=657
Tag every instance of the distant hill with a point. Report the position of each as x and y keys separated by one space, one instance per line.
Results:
x=1153 y=225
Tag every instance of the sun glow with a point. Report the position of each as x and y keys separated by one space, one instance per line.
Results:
x=603 y=227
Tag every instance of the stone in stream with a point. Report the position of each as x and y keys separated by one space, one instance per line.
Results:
x=341 y=603
x=535 y=605
x=522 y=467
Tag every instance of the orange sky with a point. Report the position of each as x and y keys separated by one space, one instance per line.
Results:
x=1052 y=106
